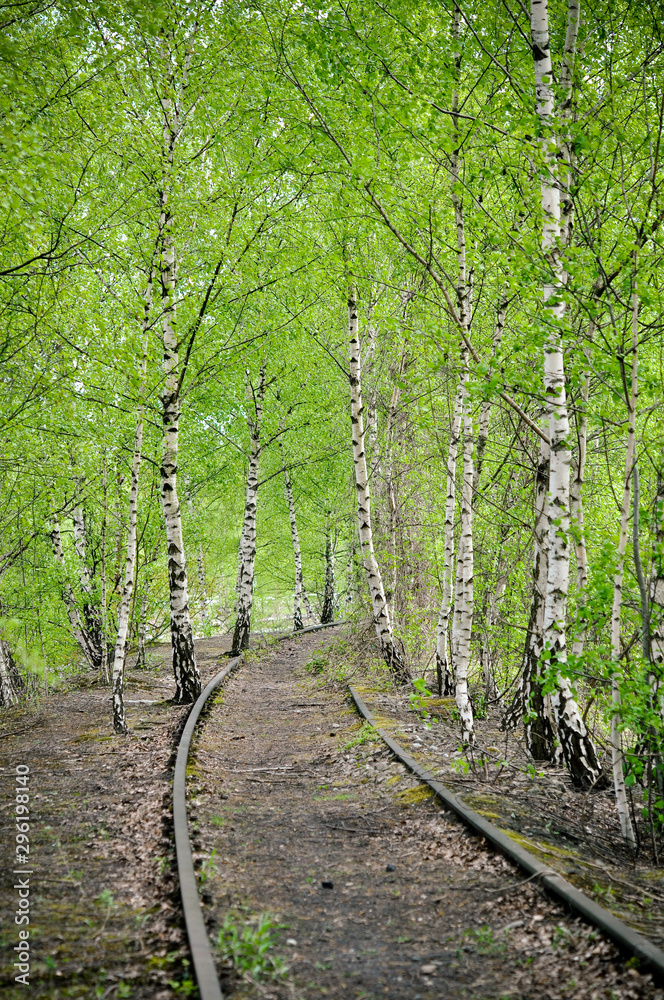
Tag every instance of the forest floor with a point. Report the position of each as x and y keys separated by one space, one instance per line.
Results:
x=105 y=917
x=307 y=823
x=574 y=831
x=300 y=813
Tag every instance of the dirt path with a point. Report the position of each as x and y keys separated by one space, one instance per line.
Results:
x=105 y=916
x=379 y=894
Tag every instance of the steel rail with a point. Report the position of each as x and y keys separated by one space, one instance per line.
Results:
x=199 y=942
x=649 y=955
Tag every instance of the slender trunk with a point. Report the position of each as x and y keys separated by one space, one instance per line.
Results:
x=141 y=660
x=657 y=588
x=91 y=614
x=576 y=501
x=577 y=747
x=443 y=668
x=485 y=409
x=327 y=611
x=10 y=680
x=200 y=560
x=185 y=671
x=297 y=554
x=102 y=570
x=390 y=434
x=119 y=720
x=540 y=727
x=491 y=614
x=78 y=629
x=463 y=611
x=617 y=756
x=458 y=601
x=638 y=566
x=462 y=661
x=375 y=469
x=117 y=562
x=307 y=604
x=247 y=551
x=381 y=615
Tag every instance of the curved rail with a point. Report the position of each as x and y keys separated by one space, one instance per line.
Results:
x=650 y=956
x=199 y=942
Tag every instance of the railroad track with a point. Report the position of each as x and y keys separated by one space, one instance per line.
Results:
x=631 y=943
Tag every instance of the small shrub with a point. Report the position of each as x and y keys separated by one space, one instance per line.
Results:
x=246 y=946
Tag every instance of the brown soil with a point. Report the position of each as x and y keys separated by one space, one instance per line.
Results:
x=104 y=906
x=574 y=831
x=289 y=792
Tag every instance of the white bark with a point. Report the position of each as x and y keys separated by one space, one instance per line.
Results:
x=485 y=409
x=102 y=572
x=327 y=610
x=462 y=661
x=187 y=677
x=463 y=610
x=578 y=750
x=8 y=676
x=390 y=491
x=297 y=553
x=141 y=660
x=541 y=731
x=78 y=629
x=200 y=560
x=381 y=615
x=617 y=756
x=657 y=592
x=247 y=549
x=120 y=653
x=576 y=502
x=443 y=664
x=90 y=611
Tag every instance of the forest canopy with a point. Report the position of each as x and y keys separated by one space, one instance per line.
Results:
x=351 y=311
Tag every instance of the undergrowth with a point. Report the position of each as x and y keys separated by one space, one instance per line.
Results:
x=246 y=944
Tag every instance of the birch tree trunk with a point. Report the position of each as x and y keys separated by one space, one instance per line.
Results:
x=540 y=727
x=247 y=550
x=617 y=756
x=78 y=629
x=297 y=554
x=462 y=660
x=327 y=610
x=485 y=409
x=657 y=592
x=119 y=720
x=9 y=676
x=102 y=572
x=443 y=662
x=577 y=747
x=90 y=610
x=200 y=561
x=381 y=614
x=185 y=671
x=463 y=611
x=576 y=501
x=141 y=660
x=307 y=604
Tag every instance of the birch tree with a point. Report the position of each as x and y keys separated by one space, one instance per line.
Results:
x=443 y=665
x=297 y=554
x=120 y=653
x=381 y=615
x=187 y=677
x=247 y=551
x=617 y=757
x=577 y=747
